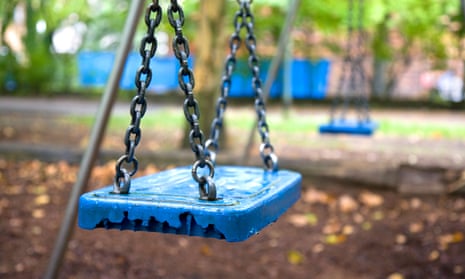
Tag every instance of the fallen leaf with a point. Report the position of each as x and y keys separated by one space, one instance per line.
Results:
x=347 y=204
x=378 y=215
x=416 y=227
x=332 y=227
x=313 y=195
x=348 y=230
x=51 y=170
x=395 y=276
x=358 y=218
x=458 y=269
x=401 y=239
x=42 y=200
x=205 y=250
x=312 y=219
x=318 y=248
x=298 y=220
x=366 y=226
x=334 y=239
x=37 y=189
x=302 y=220
x=19 y=267
x=38 y=213
x=415 y=203
x=445 y=240
x=457 y=237
x=434 y=255
x=371 y=199
x=294 y=257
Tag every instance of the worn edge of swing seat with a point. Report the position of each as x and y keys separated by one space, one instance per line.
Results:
x=344 y=126
x=168 y=202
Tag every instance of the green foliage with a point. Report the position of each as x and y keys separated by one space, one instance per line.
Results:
x=421 y=24
x=40 y=70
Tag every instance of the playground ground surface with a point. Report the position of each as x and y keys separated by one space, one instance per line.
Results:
x=370 y=208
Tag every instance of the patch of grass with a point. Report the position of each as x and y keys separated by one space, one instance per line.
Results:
x=171 y=120
x=424 y=130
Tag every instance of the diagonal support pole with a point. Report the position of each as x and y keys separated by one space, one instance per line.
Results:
x=98 y=131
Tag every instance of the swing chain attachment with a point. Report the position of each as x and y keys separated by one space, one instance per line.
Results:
x=243 y=19
x=148 y=47
x=191 y=106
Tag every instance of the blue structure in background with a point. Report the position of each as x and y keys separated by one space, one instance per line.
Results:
x=242 y=80
x=309 y=78
x=94 y=67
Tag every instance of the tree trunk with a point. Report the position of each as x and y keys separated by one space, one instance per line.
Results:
x=209 y=57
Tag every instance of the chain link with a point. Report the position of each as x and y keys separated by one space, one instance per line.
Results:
x=148 y=47
x=191 y=106
x=243 y=19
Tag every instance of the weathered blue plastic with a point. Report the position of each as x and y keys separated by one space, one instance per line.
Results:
x=168 y=202
x=344 y=126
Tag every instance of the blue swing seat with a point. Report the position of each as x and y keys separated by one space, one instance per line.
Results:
x=344 y=126
x=168 y=202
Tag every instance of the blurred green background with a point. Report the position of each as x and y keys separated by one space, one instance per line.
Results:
x=39 y=39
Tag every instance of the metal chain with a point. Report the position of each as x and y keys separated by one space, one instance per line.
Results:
x=243 y=19
x=353 y=67
x=207 y=188
x=362 y=97
x=148 y=47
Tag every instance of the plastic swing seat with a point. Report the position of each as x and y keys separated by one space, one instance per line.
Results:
x=344 y=126
x=168 y=202
x=243 y=200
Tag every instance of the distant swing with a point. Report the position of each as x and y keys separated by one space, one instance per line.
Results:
x=352 y=92
x=224 y=202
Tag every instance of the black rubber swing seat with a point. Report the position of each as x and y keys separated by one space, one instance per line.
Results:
x=345 y=126
x=168 y=202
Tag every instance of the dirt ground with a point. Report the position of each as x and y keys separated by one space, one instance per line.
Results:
x=334 y=231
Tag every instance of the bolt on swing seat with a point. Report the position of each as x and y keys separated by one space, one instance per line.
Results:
x=236 y=205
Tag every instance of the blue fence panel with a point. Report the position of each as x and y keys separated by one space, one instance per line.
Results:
x=301 y=72
x=127 y=81
x=164 y=73
x=94 y=67
x=319 y=78
x=242 y=80
x=309 y=78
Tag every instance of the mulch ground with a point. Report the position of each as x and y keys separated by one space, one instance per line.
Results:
x=333 y=231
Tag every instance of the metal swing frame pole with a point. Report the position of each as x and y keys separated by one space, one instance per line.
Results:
x=274 y=67
x=98 y=131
